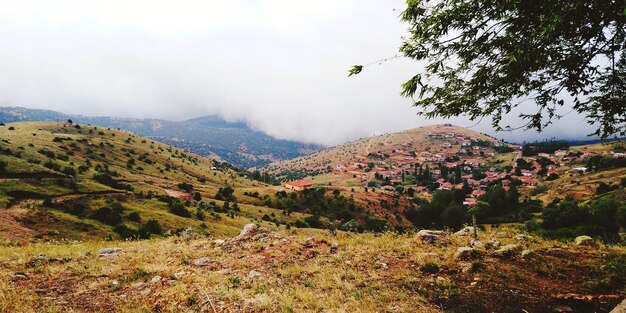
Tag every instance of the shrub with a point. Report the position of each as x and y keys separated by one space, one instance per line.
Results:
x=179 y=209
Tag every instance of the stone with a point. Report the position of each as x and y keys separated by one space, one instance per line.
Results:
x=466 y=231
x=334 y=248
x=477 y=244
x=248 y=231
x=465 y=253
x=155 y=279
x=430 y=236
x=254 y=274
x=178 y=275
x=467 y=267
x=218 y=242
x=620 y=308
x=204 y=261
x=138 y=284
x=38 y=260
x=583 y=241
x=225 y=271
x=506 y=251
x=521 y=237
x=526 y=254
x=108 y=252
x=310 y=243
x=21 y=276
x=492 y=244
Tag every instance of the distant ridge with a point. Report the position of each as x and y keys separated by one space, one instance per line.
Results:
x=234 y=142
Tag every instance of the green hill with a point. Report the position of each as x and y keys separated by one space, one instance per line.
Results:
x=234 y=142
x=60 y=180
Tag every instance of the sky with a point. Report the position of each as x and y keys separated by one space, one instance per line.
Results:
x=279 y=65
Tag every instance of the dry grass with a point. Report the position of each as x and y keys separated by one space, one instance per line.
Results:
x=370 y=273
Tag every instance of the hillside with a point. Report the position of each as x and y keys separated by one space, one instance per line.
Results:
x=73 y=181
x=234 y=142
x=290 y=271
x=394 y=148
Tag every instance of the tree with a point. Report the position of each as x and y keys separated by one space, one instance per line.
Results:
x=486 y=58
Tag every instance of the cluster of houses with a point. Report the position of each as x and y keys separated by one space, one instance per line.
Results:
x=401 y=161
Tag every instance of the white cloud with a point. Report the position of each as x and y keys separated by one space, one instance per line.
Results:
x=280 y=65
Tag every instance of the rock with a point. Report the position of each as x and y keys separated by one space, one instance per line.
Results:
x=561 y=308
x=477 y=244
x=521 y=237
x=310 y=243
x=583 y=241
x=383 y=265
x=506 y=251
x=204 y=261
x=526 y=254
x=334 y=248
x=38 y=260
x=430 y=236
x=218 y=242
x=225 y=271
x=254 y=274
x=247 y=232
x=466 y=231
x=620 y=308
x=178 y=275
x=155 y=279
x=108 y=252
x=138 y=284
x=21 y=276
x=492 y=244
x=465 y=253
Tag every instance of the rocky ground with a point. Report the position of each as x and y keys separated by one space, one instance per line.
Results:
x=264 y=271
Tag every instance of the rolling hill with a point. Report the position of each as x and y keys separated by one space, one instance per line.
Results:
x=234 y=142
x=73 y=181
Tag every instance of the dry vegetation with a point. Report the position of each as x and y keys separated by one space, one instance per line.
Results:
x=290 y=272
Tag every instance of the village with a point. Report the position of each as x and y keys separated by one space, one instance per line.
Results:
x=451 y=160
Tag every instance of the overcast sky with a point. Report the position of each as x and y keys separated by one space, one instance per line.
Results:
x=280 y=65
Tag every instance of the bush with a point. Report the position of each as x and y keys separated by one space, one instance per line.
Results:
x=134 y=216
x=177 y=208
x=109 y=216
x=151 y=227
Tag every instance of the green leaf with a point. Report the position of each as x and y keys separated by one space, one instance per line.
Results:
x=356 y=69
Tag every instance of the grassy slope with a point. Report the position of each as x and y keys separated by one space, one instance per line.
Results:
x=113 y=148
x=382 y=273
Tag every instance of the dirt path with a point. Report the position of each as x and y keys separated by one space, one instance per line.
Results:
x=10 y=228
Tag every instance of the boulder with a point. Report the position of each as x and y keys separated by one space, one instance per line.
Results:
x=466 y=231
x=465 y=253
x=506 y=251
x=430 y=236
x=477 y=244
x=620 y=308
x=526 y=254
x=108 y=252
x=247 y=232
x=202 y=261
x=583 y=241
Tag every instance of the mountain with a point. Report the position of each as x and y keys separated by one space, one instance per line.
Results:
x=234 y=142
